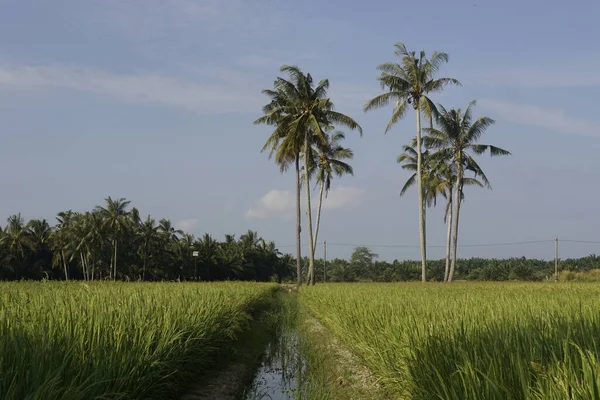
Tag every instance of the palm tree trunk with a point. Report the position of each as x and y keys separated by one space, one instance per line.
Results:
x=93 y=268
x=115 y=260
x=311 y=253
x=318 y=220
x=83 y=267
x=456 y=215
x=422 y=235
x=144 y=270
x=448 y=235
x=64 y=261
x=298 y=225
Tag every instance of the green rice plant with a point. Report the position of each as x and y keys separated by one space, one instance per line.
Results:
x=470 y=340
x=116 y=340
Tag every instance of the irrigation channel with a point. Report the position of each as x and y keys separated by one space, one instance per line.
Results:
x=287 y=355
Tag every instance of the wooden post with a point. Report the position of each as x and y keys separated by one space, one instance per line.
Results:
x=324 y=260
x=556 y=260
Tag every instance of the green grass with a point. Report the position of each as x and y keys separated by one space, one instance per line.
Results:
x=116 y=340
x=470 y=340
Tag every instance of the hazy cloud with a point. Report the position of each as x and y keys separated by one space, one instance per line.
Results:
x=576 y=74
x=218 y=96
x=282 y=203
x=552 y=119
x=187 y=225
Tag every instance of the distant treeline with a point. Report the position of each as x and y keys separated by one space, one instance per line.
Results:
x=113 y=242
x=364 y=266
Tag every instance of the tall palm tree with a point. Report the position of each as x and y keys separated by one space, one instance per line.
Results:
x=408 y=83
x=115 y=218
x=455 y=140
x=300 y=112
x=330 y=163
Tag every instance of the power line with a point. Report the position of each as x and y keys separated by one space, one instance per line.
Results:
x=440 y=246
x=579 y=241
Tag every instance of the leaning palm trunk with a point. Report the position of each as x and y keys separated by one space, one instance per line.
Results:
x=311 y=254
x=83 y=267
x=64 y=261
x=456 y=215
x=298 y=225
x=318 y=221
x=448 y=234
x=422 y=235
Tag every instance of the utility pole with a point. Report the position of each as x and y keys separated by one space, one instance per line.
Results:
x=324 y=260
x=556 y=260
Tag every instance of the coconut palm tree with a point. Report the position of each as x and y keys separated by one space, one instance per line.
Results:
x=430 y=174
x=149 y=236
x=17 y=240
x=59 y=241
x=168 y=230
x=300 y=112
x=115 y=219
x=330 y=163
x=455 y=139
x=408 y=83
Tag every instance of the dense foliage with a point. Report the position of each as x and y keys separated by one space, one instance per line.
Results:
x=364 y=266
x=469 y=340
x=113 y=242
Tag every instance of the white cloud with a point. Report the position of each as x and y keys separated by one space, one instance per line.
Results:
x=187 y=225
x=282 y=203
x=552 y=119
x=276 y=203
x=216 y=97
x=343 y=197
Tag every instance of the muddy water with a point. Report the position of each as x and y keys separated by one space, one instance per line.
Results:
x=281 y=372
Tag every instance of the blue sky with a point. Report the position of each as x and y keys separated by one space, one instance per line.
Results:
x=154 y=101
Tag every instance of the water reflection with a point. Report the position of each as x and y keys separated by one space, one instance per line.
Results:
x=281 y=372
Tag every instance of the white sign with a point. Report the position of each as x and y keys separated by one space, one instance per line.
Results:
x=195 y=253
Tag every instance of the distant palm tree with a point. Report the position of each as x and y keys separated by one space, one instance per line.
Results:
x=17 y=238
x=59 y=242
x=167 y=228
x=408 y=83
x=40 y=231
x=116 y=222
x=208 y=249
x=149 y=237
x=330 y=163
x=300 y=112
x=455 y=140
